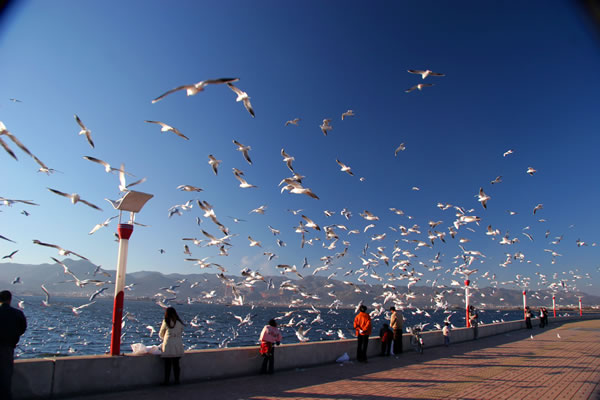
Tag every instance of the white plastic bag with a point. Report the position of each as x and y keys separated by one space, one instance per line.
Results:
x=343 y=358
x=138 y=349
x=153 y=350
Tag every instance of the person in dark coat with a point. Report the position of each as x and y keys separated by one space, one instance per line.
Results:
x=12 y=325
x=528 y=317
x=542 y=317
x=396 y=322
x=386 y=336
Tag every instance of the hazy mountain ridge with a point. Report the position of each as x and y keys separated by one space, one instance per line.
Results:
x=147 y=284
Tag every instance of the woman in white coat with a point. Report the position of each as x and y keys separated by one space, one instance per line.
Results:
x=171 y=331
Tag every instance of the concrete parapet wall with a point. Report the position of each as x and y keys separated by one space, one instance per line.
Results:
x=64 y=376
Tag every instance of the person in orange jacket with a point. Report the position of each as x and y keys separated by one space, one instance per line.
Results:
x=363 y=327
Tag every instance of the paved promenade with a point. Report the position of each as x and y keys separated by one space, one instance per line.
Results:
x=507 y=366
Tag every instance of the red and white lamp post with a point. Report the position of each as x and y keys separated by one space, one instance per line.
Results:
x=524 y=304
x=554 y=304
x=467 y=282
x=133 y=202
x=580 y=309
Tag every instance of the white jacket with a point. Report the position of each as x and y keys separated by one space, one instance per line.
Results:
x=172 y=345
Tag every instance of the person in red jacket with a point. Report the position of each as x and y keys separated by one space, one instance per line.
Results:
x=363 y=327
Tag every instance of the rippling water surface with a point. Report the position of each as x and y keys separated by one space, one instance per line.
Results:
x=56 y=330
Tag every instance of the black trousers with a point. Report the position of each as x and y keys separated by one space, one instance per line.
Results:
x=172 y=362
x=361 y=350
x=397 y=341
x=528 y=323
x=385 y=348
x=268 y=364
x=6 y=371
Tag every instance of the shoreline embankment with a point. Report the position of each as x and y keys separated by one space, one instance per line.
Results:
x=57 y=377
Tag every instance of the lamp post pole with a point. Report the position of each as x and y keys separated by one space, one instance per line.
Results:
x=524 y=304
x=467 y=302
x=132 y=202
x=580 y=309
x=554 y=304
x=124 y=231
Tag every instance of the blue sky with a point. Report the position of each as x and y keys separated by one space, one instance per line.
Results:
x=521 y=78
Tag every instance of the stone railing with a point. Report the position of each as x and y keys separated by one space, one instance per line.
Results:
x=67 y=376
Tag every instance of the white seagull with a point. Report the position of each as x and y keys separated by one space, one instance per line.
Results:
x=292 y=122
x=400 y=148
x=325 y=127
x=420 y=86
x=287 y=159
x=189 y=188
x=244 y=149
x=47 y=301
x=483 y=198
x=102 y=225
x=214 y=163
x=75 y=198
x=344 y=168
x=348 y=113
x=531 y=170
x=497 y=180
x=61 y=251
x=242 y=96
x=424 y=74
x=195 y=88
x=167 y=128
x=243 y=183
x=84 y=131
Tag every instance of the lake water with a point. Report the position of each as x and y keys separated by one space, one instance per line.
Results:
x=57 y=331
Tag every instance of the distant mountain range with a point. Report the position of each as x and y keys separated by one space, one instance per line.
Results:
x=147 y=284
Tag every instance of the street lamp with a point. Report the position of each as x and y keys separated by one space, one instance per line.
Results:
x=133 y=202
x=554 y=304
x=580 y=309
x=467 y=301
x=524 y=304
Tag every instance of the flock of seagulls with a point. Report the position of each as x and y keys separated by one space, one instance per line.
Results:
x=403 y=261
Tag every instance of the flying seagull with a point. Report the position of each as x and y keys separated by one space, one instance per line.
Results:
x=244 y=149
x=400 y=148
x=214 y=163
x=61 y=251
x=242 y=96
x=167 y=128
x=102 y=225
x=348 y=113
x=420 y=86
x=483 y=198
x=85 y=131
x=325 y=127
x=195 y=88
x=425 y=74
x=292 y=122
x=345 y=168
x=106 y=165
x=75 y=198
x=10 y=255
x=243 y=183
